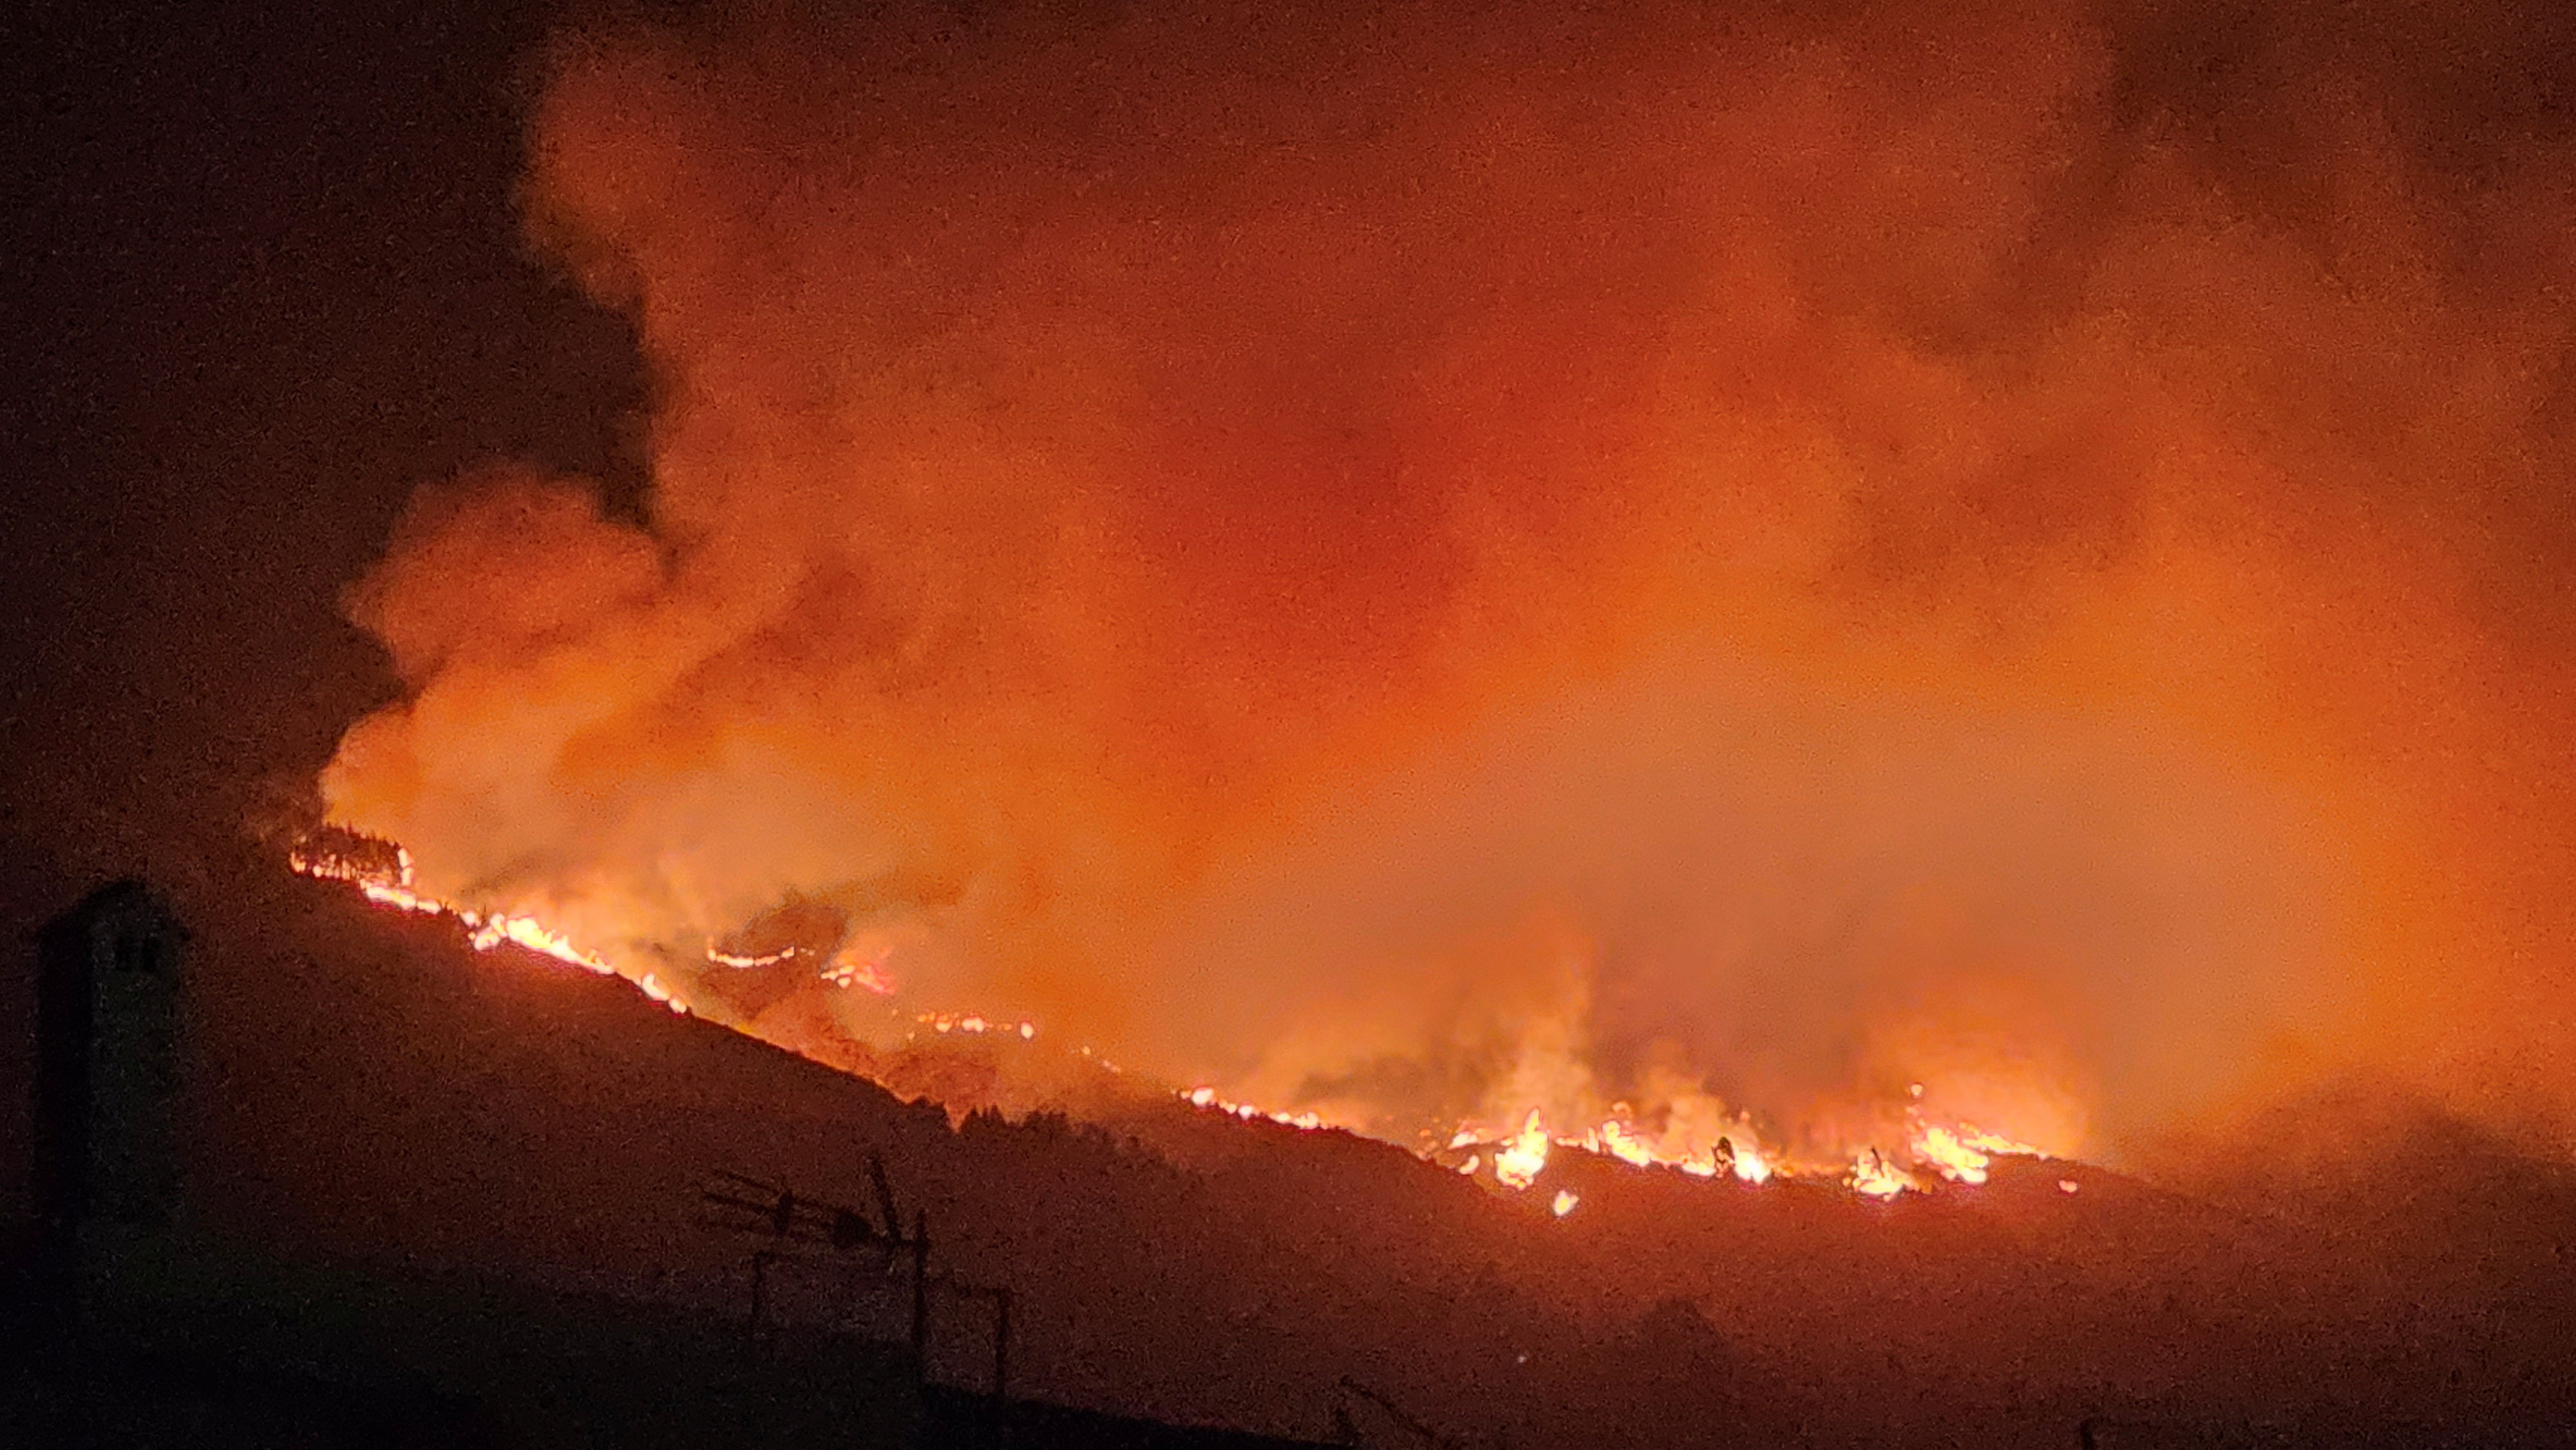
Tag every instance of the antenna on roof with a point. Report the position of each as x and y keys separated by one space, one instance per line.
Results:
x=885 y=1194
x=790 y=1226
x=1347 y=1427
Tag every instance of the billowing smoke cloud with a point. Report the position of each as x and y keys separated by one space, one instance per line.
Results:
x=1429 y=558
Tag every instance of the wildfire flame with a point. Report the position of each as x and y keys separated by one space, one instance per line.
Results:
x=485 y=930
x=1517 y=1163
x=1873 y=1175
x=1956 y=1152
x=870 y=974
x=1962 y=1154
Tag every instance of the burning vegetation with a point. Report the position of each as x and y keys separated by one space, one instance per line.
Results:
x=1508 y=1159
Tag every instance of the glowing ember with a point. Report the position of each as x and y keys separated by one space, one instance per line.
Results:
x=1566 y=1199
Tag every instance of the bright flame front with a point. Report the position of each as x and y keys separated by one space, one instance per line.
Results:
x=1695 y=1138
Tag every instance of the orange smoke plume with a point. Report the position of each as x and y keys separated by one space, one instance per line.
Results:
x=1444 y=561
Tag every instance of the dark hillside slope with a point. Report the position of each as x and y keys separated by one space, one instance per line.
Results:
x=499 y=1112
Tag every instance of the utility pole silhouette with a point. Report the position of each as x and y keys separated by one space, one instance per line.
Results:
x=921 y=1291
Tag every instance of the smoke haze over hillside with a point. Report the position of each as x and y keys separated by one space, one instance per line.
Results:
x=1433 y=562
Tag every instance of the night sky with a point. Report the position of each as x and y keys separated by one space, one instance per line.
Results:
x=266 y=276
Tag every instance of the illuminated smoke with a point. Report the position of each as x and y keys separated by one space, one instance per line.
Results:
x=1453 y=560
